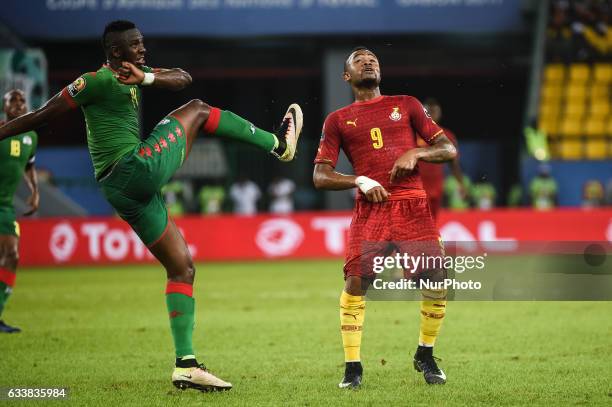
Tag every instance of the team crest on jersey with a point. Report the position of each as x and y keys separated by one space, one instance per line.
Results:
x=395 y=115
x=75 y=87
x=27 y=140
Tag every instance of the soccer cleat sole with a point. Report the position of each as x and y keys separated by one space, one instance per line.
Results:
x=184 y=385
x=433 y=379
x=298 y=122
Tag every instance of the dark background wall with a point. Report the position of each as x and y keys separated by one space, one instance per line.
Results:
x=480 y=80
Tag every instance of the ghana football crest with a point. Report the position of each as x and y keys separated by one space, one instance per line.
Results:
x=395 y=114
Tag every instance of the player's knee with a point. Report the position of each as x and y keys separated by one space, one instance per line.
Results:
x=434 y=275
x=355 y=285
x=10 y=258
x=200 y=107
x=434 y=294
x=187 y=274
x=190 y=272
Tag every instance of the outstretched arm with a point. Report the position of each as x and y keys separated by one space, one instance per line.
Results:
x=458 y=174
x=55 y=106
x=324 y=177
x=171 y=79
x=440 y=151
x=32 y=182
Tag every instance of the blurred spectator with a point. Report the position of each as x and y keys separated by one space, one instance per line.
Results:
x=593 y=194
x=579 y=30
x=456 y=198
x=609 y=193
x=432 y=174
x=515 y=196
x=211 y=199
x=537 y=143
x=174 y=196
x=245 y=194
x=558 y=42
x=483 y=194
x=543 y=189
x=281 y=195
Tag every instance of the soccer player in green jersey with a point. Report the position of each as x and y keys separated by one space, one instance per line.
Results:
x=16 y=159
x=131 y=172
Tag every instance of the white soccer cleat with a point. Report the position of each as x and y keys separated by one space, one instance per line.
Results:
x=198 y=378
x=289 y=132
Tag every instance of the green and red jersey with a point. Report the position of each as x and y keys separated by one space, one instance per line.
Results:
x=111 y=114
x=16 y=153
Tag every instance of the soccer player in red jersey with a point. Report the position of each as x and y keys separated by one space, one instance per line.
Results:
x=378 y=134
x=432 y=174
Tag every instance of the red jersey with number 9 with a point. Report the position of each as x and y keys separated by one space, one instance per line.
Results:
x=374 y=134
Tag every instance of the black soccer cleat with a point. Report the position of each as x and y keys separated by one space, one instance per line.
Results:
x=289 y=133
x=353 y=373
x=425 y=362
x=7 y=329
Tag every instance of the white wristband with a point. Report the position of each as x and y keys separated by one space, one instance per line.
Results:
x=365 y=184
x=149 y=77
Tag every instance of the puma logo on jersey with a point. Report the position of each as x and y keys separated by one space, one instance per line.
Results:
x=353 y=122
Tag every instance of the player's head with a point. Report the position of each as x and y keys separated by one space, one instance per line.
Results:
x=14 y=104
x=433 y=108
x=361 y=69
x=123 y=42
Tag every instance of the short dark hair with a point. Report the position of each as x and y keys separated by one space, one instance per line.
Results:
x=357 y=48
x=114 y=27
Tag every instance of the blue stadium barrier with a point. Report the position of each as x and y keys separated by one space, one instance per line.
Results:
x=72 y=172
x=570 y=176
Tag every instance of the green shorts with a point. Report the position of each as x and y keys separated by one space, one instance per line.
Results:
x=8 y=224
x=133 y=186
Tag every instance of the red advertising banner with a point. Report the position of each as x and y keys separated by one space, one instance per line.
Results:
x=84 y=241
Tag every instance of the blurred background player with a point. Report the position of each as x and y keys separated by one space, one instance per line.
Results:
x=281 y=195
x=379 y=135
x=543 y=189
x=211 y=197
x=483 y=194
x=432 y=174
x=132 y=172
x=245 y=194
x=16 y=159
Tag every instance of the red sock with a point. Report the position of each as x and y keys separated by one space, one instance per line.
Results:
x=7 y=277
x=179 y=288
x=213 y=121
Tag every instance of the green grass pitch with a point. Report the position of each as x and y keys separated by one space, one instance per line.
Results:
x=271 y=328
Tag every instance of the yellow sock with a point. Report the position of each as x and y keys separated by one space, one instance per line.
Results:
x=433 y=311
x=352 y=314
